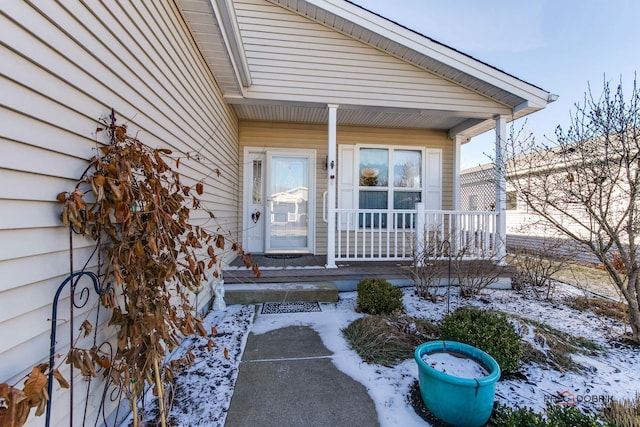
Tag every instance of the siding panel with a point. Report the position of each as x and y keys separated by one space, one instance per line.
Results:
x=49 y=240
x=63 y=66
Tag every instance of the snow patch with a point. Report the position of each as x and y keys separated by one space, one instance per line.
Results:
x=454 y=365
x=608 y=374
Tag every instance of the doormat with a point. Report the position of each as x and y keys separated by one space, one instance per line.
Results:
x=283 y=256
x=290 y=307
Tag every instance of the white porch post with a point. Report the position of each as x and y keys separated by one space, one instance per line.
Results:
x=501 y=185
x=456 y=172
x=331 y=186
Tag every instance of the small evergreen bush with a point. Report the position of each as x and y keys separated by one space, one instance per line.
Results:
x=377 y=296
x=570 y=416
x=489 y=331
x=504 y=416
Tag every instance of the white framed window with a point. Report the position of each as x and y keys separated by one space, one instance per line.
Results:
x=389 y=178
x=374 y=177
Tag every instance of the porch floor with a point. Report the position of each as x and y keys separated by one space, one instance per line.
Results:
x=311 y=268
x=305 y=278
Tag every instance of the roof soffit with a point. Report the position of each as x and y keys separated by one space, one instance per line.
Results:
x=353 y=115
x=213 y=26
x=227 y=17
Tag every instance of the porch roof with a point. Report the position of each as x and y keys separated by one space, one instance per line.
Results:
x=215 y=28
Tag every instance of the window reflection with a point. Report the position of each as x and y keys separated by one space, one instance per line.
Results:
x=374 y=167
x=407 y=171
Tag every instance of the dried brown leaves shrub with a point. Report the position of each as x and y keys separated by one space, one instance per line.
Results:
x=138 y=209
x=16 y=403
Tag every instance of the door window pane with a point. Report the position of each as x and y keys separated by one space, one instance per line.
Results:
x=256 y=194
x=374 y=167
x=288 y=199
x=407 y=169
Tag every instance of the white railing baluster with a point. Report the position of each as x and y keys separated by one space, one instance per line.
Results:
x=380 y=241
x=356 y=225
x=486 y=250
x=339 y=233
x=372 y=235
x=390 y=226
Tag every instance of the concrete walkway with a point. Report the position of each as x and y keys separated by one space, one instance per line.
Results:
x=286 y=378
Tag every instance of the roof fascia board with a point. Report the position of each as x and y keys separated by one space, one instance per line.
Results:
x=226 y=17
x=522 y=106
x=474 y=127
x=536 y=96
x=480 y=168
x=463 y=127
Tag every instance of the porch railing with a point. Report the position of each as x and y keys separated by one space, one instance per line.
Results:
x=387 y=235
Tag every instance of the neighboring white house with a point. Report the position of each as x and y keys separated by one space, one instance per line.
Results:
x=478 y=193
x=524 y=229
x=478 y=188
x=327 y=122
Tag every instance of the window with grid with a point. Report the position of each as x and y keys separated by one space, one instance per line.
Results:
x=389 y=178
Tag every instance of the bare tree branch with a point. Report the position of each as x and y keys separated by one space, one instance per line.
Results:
x=586 y=186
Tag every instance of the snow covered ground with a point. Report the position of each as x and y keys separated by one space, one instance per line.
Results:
x=612 y=373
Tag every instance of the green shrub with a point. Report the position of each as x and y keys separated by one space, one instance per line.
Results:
x=377 y=296
x=489 y=331
x=504 y=416
x=570 y=416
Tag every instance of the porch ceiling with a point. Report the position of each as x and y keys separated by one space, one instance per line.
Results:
x=351 y=116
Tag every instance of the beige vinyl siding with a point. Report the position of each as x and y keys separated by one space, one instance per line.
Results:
x=309 y=136
x=61 y=68
x=295 y=59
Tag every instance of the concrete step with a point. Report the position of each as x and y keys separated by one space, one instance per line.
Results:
x=252 y=293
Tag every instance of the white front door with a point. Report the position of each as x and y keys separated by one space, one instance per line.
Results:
x=279 y=201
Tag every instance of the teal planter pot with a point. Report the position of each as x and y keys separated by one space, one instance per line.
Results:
x=466 y=402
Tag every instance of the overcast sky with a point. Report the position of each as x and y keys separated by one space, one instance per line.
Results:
x=558 y=45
